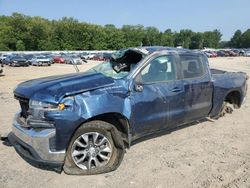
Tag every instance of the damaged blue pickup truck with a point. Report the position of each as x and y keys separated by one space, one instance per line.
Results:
x=83 y=122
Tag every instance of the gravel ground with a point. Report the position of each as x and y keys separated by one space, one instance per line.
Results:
x=208 y=154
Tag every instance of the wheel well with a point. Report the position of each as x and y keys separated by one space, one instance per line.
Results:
x=233 y=98
x=119 y=121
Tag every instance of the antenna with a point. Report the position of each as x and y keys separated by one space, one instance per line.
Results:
x=75 y=66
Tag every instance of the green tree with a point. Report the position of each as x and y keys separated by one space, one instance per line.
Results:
x=20 y=45
x=225 y=44
x=236 y=39
x=212 y=39
x=151 y=36
x=246 y=39
x=19 y=32
x=167 y=38
x=183 y=38
x=115 y=38
x=196 y=41
x=133 y=34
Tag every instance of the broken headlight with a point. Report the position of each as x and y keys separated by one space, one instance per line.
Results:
x=38 y=108
x=45 y=106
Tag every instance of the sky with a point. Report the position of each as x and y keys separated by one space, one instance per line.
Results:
x=197 y=15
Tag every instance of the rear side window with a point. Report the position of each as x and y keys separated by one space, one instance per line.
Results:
x=192 y=66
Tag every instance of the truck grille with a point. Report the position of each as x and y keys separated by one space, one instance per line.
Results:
x=24 y=103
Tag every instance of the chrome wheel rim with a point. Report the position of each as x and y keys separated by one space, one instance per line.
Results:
x=91 y=150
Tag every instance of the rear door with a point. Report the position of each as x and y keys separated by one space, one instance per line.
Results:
x=197 y=86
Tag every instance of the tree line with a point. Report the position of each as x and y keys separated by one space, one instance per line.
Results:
x=21 y=32
x=240 y=40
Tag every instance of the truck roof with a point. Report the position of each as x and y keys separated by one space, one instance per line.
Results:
x=151 y=49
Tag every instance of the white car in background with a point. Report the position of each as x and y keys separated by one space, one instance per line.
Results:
x=3 y=57
x=88 y=56
x=247 y=53
x=41 y=61
x=74 y=59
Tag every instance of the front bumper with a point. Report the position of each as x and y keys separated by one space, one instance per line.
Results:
x=34 y=144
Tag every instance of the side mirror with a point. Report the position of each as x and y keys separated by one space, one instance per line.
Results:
x=138 y=86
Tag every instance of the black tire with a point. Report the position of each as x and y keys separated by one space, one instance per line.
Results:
x=114 y=137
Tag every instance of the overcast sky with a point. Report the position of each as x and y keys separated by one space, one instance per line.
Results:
x=197 y=15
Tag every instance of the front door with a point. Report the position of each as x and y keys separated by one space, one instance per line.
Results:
x=157 y=96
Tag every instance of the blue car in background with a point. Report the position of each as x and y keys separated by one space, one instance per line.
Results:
x=18 y=61
x=83 y=122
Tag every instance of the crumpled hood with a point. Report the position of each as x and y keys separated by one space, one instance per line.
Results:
x=54 y=88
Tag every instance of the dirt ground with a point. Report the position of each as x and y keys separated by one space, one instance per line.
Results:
x=208 y=154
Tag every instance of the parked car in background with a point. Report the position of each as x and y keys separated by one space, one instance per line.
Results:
x=66 y=58
x=107 y=56
x=227 y=54
x=236 y=51
x=102 y=56
x=210 y=54
x=247 y=53
x=221 y=53
x=3 y=56
x=84 y=55
x=18 y=61
x=98 y=57
x=232 y=53
x=7 y=59
x=75 y=59
x=239 y=52
x=50 y=56
x=58 y=59
x=87 y=55
x=62 y=59
x=29 y=57
x=41 y=61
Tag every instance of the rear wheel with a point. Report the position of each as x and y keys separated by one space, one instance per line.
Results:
x=96 y=147
x=224 y=110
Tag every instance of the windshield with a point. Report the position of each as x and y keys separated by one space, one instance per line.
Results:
x=18 y=57
x=120 y=64
x=107 y=70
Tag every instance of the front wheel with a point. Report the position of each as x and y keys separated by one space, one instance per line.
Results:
x=95 y=148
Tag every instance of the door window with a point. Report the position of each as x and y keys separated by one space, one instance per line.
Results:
x=192 y=66
x=160 y=69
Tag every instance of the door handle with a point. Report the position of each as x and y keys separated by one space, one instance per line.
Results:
x=176 y=89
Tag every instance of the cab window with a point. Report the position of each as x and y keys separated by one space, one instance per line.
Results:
x=192 y=66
